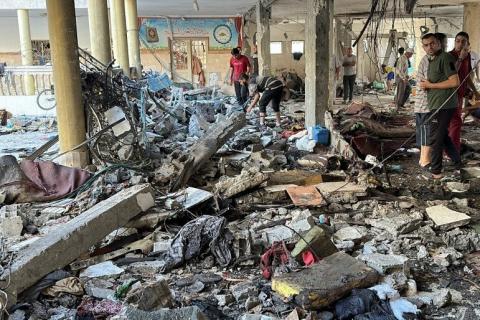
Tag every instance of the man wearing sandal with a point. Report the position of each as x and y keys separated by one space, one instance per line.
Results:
x=440 y=85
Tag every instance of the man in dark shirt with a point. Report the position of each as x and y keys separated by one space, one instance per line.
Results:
x=272 y=91
x=239 y=64
x=442 y=80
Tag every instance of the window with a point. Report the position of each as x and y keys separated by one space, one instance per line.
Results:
x=297 y=46
x=276 y=47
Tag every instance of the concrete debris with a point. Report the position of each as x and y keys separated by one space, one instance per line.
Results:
x=101 y=270
x=398 y=224
x=255 y=200
x=447 y=219
x=385 y=263
x=325 y=282
x=151 y=296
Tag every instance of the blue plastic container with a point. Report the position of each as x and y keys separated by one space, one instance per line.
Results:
x=320 y=135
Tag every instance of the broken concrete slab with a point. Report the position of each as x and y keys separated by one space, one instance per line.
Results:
x=186 y=313
x=470 y=173
x=385 y=263
x=301 y=220
x=57 y=249
x=348 y=234
x=341 y=192
x=316 y=240
x=399 y=224
x=104 y=269
x=447 y=219
x=278 y=233
x=248 y=178
x=326 y=281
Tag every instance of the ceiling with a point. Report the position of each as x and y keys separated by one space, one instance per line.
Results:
x=281 y=8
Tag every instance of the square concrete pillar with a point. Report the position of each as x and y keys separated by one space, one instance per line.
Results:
x=318 y=44
x=263 y=39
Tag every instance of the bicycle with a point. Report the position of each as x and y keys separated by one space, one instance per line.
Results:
x=46 y=99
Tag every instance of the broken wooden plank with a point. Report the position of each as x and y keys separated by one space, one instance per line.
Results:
x=59 y=248
x=206 y=147
x=249 y=178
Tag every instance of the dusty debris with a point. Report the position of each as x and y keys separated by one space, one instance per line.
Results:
x=325 y=282
x=248 y=179
x=75 y=237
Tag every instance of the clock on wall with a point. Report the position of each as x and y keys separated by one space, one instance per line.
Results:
x=222 y=34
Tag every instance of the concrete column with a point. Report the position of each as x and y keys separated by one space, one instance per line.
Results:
x=132 y=35
x=62 y=30
x=318 y=42
x=263 y=39
x=119 y=32
x=471 y=12
x=26 y=48
x=99 y=33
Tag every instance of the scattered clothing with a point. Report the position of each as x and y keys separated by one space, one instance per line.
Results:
x=206 y=233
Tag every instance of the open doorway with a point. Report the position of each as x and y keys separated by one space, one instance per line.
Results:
x=188 y=59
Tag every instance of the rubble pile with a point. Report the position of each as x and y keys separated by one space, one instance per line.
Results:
x=192 y=211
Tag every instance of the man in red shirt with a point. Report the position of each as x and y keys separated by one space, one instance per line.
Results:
x=239 y=64
x=462 y=53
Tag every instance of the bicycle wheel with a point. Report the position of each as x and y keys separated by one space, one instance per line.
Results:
x=46 y=100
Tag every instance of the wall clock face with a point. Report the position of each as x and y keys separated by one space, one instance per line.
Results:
x=222 y=34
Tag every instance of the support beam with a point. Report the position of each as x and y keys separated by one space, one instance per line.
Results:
x=119 y=34
x=318 y=43
x=26 y=48
x=471 y=12
x=99 y=32
x=62 y=30
x=263 y=38
x=132 y=35
x=57 y=249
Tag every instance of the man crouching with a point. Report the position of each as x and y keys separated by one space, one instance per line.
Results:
x=271 y=89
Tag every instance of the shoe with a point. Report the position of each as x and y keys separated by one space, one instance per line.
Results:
x=344 y=101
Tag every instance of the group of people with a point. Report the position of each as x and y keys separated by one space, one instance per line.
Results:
x=443 y=79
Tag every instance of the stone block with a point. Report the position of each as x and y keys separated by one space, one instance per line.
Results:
x=302 y=221
x=11 y=226
x=386 y=263
x=348 y=234
x=151 y=296
x=278 y=233
x=318 y=241
x=243 y=290
x=446 y=219
x=399 y=224
x=326 y=281
x=58 y=249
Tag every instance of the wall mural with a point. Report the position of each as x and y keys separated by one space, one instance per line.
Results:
x=221 y=32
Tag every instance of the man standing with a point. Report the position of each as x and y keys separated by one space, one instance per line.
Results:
x=239 y=64
x=442 y=79
x=401 y=77
x=463 y=57
x=272 y=91
x=349 y=74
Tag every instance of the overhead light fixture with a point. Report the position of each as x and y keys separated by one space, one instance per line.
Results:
x=195 y=5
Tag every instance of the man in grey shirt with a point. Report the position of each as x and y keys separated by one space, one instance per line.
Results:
x=349 y=74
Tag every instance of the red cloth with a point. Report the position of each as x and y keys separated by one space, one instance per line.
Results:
x=463 y=71
x=455 y=126
x=238 y=27
x=278 y=251
x=50 y=181
x=239 y=65
x=308 y=258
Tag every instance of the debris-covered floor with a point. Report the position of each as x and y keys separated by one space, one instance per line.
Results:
x=191 y=212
